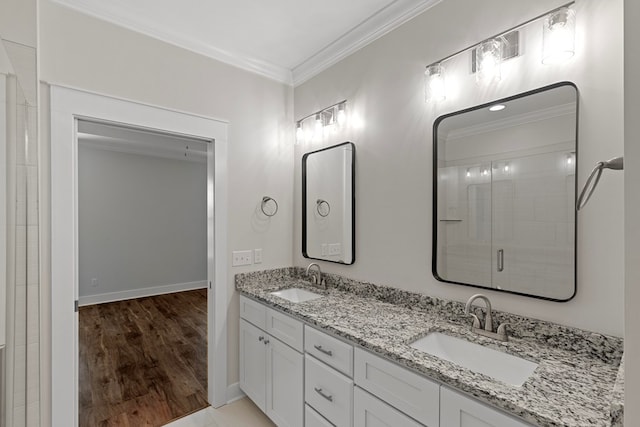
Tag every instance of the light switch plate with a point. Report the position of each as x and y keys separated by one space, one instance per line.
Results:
x=257 y=256
x=241 y=258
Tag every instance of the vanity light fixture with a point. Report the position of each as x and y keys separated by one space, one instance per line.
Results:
x=506 y=168
x=434 y=83
x=468 y=172
x=489 y=61
x=497 y=107
x=313 y=126
x=558 y=36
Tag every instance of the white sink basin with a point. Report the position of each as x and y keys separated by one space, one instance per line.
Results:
x=296 y=295
x=501 y=366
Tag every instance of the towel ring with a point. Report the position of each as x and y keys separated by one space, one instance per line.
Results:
x=323 y=207
x=268 y=208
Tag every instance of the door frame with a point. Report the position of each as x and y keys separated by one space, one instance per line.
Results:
x=67 y=106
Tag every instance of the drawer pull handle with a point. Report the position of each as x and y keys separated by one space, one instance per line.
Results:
x=321 y=393
x=322 y=350
x=260 y=338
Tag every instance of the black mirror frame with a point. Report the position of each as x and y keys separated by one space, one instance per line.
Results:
x=353 y=203
x=434 y=212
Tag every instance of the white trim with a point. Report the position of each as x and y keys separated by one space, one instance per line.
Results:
x=374 y=27
x=253 y=65
x=67 y=105
x=234 y=392
x=140 y=293
x=3 y=211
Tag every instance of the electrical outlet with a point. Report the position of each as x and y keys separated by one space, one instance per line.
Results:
x=94 y=282
x=241 y=258
x=335 y=249
x=257 y=256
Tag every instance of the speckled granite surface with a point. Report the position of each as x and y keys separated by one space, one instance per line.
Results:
x=574 y=384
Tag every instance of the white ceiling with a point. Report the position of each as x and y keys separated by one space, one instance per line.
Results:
x=286 y=40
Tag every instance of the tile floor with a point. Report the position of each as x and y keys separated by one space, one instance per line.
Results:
x=241 y=413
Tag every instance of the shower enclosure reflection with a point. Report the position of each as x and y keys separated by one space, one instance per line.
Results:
x=504 y=197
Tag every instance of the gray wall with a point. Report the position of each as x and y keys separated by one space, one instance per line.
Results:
x=142 y=223
x=384 y=86
x=632 y=212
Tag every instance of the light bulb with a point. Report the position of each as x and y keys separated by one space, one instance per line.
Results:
x=342 y=114
x=434 y=83
x=468 y=173
x=299 y=133
x=488 y=61
x=318 y=127
x=506 y=167
x=497 y=107
x=559 y=36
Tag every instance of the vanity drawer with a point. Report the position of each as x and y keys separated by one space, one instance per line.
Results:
x=328 y=392
x=253 y=311
x=314 y=419
x=411 y=393
x=285 y=328
x=330 y=350
x=369 y=411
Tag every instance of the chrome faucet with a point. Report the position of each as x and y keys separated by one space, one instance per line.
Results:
x=317 y=279
x=500 y=334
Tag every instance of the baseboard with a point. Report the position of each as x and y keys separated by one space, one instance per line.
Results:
x=234 y=393
x=140 y=293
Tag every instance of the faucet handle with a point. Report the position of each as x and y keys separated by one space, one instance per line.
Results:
x=476 y=321
x=502 y=331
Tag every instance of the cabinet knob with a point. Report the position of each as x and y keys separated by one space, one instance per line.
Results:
x=266 y=342
x=260 y=338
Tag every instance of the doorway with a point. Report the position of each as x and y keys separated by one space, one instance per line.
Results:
x=68 y=108
x=142 y=275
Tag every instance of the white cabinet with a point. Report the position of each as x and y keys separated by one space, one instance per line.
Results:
x=271 y=372
x=285 y=369
x=253 y=375
x=329 y=392
x=411 y=393
x=369 y=411
x=458 y=410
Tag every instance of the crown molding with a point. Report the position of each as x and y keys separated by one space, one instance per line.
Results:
x=371 y=29
x=101 y=11
x=374 y=27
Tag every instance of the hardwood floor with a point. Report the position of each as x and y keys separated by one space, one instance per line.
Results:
x=143 y=362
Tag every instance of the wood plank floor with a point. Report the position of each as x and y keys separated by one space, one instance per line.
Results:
x=143 y=362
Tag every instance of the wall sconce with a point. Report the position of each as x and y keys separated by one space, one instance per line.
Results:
x=559 y=36
x=489 y=61
x=434 y=83
x=327 y=118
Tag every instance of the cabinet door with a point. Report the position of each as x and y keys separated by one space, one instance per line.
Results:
x=253 y=363
x=285 y=370
x=369 y=411
x=457 y=410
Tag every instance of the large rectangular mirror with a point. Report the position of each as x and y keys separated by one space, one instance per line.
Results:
x=504 y=194
x=328 y=204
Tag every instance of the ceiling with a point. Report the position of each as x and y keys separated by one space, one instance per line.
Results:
x=286 y=40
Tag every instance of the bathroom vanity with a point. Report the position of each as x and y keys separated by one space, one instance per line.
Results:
x=345 y=359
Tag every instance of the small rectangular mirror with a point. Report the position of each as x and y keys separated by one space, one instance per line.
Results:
x=505 y=192
x=328 y=204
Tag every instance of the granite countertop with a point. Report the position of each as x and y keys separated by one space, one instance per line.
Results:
x=578 y=381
